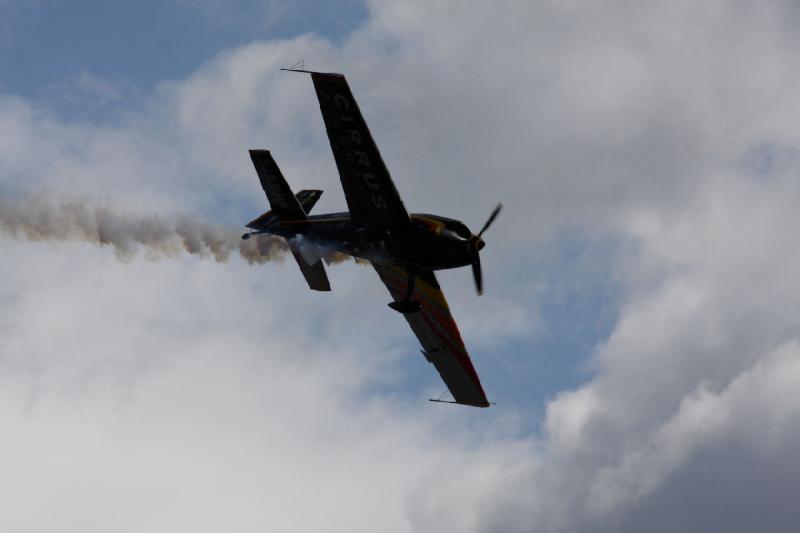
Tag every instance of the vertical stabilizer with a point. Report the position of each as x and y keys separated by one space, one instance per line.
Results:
x=315 y=274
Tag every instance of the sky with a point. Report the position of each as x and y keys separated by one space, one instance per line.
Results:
x=640 y=327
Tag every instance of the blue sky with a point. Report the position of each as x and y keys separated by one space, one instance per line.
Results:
x=145 y=43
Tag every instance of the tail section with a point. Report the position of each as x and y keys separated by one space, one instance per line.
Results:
x=287 y=207
x=306 y=198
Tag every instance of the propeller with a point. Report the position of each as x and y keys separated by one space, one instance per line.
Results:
x=491 y=218
x=477 y=274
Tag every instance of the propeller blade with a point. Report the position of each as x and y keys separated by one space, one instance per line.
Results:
x=477 y=274
x=491 y=219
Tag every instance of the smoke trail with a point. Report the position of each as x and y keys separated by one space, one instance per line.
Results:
x=39 y=218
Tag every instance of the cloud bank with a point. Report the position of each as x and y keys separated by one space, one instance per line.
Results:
x=184 y=395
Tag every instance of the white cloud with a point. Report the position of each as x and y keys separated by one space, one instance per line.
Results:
x=182 y=394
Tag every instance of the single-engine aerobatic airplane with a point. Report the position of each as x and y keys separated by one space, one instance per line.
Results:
x=404 y=249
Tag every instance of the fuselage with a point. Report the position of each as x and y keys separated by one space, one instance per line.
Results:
x=430 y=243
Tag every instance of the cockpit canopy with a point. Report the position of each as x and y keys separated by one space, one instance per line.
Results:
x=436 y=224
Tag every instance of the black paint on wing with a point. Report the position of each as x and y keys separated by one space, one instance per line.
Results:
x=371 y=195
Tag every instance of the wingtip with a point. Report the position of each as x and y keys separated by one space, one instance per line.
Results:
x=469 y=404
x=335 y=75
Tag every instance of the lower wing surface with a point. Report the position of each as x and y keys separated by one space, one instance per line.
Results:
x=437 y=332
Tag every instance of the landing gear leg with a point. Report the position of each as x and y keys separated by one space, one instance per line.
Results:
x=407 y=305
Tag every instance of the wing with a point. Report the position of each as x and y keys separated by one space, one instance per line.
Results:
x=437 y=332
x=371 y=195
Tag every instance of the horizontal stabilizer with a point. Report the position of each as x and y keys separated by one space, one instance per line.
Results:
x=279 y=194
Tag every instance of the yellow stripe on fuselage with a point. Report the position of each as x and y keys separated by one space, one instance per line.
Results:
x=436 y=225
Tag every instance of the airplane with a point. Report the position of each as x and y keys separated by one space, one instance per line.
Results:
x=405 y=249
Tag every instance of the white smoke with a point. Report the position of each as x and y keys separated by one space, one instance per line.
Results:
x=43 y=218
